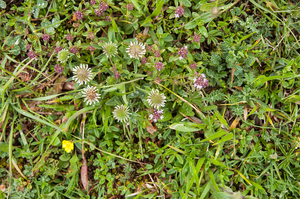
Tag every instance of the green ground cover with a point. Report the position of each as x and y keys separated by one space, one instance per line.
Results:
x=149 y=99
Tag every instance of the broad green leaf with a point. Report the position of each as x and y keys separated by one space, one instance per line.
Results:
x=222 y=120
x=212 y=178
x=203 y=31
x=27 y=114
x=224 y=139
x=114 y=25
x=216 y=135
x=159 y=4
x=183 y=128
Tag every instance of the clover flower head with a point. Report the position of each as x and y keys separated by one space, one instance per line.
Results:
x=179 y=12
x=67 y=145
x=136 y=50
x=91 y=48
x=63 y=55
x=58 y=68
x=156 y=115
x=91 y=95
x=183 y=52
x=110 y=49
x=200 y=82
x=83 y=74
x=46 y=37
x=121 y=113
x=156 y=99
x=159 y=66
x=69 y=37
x=78 y=15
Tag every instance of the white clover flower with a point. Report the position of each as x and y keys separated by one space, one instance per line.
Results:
x=63 y=55
x=91 y=95
x=110 y=49
x=136 y=50
x=121 y=113
x=83 y=74
x=156 y=115
x=155 y=99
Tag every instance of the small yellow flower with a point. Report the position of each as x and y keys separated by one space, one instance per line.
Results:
x=67 y=145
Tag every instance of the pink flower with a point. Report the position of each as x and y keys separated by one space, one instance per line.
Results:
x=74 y=50
x=200 y=82
x=159 y=66
x=69 y=37
x=57 y=49
x=78 y=15
x=130 y=6
x=156 y=115
x=46 y=37
x=103 y=6
x=32 y=55
x=58 y=68
x=183 y=52
x=193 y=65
x=93 y=2
x=179 y=12
x=98 y=12
x=156 y=53
x=144 y=60
x=197 y=38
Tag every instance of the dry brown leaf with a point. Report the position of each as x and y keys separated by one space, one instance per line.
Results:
x=151 y=129
x=59 y=84
x=2 y=187
x=234 y=123
x=84 y=173
x=69 y=86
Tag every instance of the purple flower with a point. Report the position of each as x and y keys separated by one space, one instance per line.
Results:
x=149 y=48
x=98 y=12
x=130 y=6
x=107 y=18
x=117 y=75
x=183 y=52
x=179 y=12
x=156 y=115
x=57 y=49
x=200 y=82
x=93 y=2
x=58 y=68
x=103 y=6
x=78 y=15
x=156 y=53
x=159 y=66
x=193 y=65
x=91 y=35
x=73 y=50
x=144 y=60
x=69 y=37
x=197 y=38
x=28 y=46
x=46 y=37
x=32 y=55
x=91 y=48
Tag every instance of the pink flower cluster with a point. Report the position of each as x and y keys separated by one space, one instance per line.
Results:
x=183 y=52
x=179 y=12
x=159 y=66
x=156 y=115
x=200 y=82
